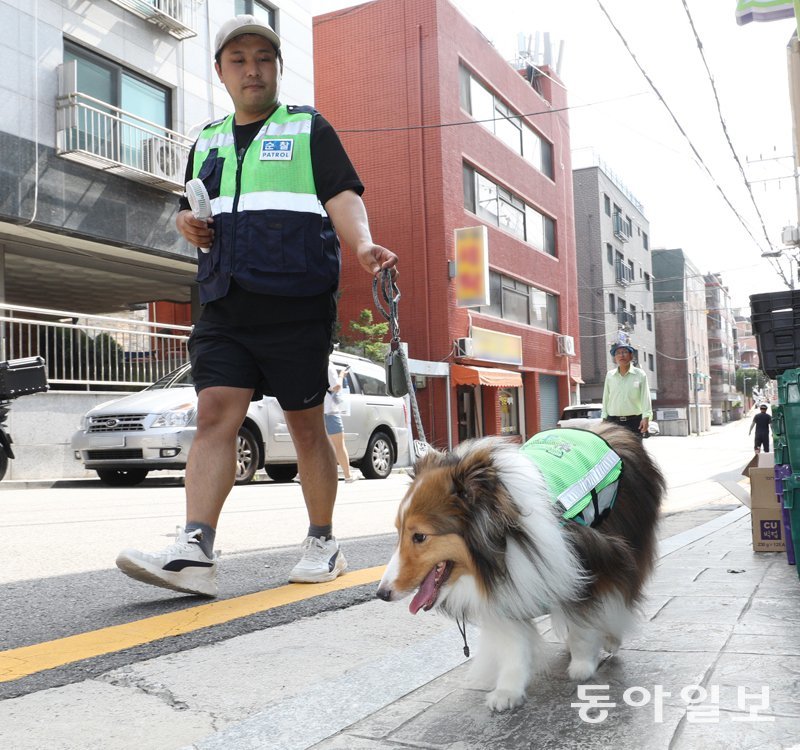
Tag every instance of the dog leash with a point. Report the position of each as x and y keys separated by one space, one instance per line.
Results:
x=398 y=376
x=462 y=628
x=396 y=360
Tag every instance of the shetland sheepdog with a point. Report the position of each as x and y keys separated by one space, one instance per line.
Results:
x=480 y=539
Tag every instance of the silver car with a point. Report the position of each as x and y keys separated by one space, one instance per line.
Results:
x=586 y=415
x=123 y=440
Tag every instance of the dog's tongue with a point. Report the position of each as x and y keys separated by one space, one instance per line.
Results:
x=425 y=594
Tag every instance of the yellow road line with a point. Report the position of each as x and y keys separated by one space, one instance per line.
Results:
x=27 y=660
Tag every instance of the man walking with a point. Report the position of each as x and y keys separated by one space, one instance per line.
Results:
x=761 y=422
x=626 y=394
x=281 y=187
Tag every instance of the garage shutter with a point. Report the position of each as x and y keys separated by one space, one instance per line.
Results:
x=548 y=401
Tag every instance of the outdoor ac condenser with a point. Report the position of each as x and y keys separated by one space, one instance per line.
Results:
x=464 y=347
x=565 y=345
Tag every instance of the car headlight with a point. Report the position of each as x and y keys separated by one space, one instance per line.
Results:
x=177 y=417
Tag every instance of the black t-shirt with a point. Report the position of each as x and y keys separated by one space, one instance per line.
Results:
x=333 y=173
x=762 y=421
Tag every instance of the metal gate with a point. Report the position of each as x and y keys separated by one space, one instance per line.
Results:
x=548 y=401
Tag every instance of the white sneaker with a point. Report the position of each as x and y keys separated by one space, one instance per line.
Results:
x=352 y=478
x=321 y=561
x=183 y=566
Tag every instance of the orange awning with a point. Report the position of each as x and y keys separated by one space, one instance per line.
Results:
x=493 y=376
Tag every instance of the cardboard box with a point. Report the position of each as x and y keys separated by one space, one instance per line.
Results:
x=765 y=507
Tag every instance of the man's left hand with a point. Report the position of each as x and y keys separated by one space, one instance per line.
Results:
x=643 y=425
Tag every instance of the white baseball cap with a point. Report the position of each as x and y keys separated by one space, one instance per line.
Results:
x=244 y=24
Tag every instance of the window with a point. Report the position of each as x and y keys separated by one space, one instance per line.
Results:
x=100 y=131
x=504 y=122
x=511 y=213
x=609 y=253
x=509 y=411
x=507 y=128
x=370 y=386
x=647 y=278
x=515 y=300
x=650 y=362
x=612 y=307
x=607 y=204
x=645 y=241
x=487 y=200
x=501 y=208
x=649 y=320
x=261 y=11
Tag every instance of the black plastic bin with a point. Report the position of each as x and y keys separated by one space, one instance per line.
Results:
x=19 y=377
x=775 y=317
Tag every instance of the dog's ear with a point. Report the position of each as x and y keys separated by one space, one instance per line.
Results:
x=474 y=475
x=431 y=459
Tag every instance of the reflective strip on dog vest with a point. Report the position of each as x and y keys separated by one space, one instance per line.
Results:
x=581 y=470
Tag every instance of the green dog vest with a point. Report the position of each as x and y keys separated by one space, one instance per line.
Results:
x=581 y=470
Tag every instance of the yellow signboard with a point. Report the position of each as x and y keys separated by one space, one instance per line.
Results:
x=472 y=266
x=494 y=346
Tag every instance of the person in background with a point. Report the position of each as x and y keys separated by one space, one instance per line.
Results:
x=333 y=406
x=626 y=393
x=761 y=421
x=281 y=188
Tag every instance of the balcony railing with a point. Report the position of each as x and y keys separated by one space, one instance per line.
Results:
x=91 y=352
x=92 y=132
x=624 y=273
x=622 y=228
x=176 y=17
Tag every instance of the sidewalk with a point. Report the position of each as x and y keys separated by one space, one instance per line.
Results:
x=718 y=616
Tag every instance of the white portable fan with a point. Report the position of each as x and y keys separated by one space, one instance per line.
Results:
x=199 y=202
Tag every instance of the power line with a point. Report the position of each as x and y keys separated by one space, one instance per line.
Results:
x=699 y=158
x=471 y=121
x=722 y=121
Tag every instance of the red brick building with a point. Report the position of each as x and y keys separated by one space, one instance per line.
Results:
x=446 y=134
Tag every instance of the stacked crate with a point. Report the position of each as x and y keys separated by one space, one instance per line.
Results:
x=775 y=318
x=786 y=430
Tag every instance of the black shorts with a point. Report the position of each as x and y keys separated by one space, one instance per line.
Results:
x=286 y=360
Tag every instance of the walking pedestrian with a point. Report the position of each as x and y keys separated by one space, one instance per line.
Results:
x=761 y=421
x=626 y=394
x=333 y=406
x=281 y=187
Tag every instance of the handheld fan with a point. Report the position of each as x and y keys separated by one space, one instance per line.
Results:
x=199 y=202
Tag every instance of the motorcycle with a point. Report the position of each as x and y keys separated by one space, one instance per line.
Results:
x=18 y=377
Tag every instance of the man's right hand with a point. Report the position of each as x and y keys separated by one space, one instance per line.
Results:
x=197 y=232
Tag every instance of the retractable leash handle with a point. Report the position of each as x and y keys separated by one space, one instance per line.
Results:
x=199 y=202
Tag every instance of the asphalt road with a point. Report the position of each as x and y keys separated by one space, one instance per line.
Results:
x=59 y=543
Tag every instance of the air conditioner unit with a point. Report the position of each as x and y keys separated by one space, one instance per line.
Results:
x=161 y=158
x=790 y=236
x=464 y=347
x=565 y=345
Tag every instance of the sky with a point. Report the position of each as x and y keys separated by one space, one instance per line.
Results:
x=616 y=116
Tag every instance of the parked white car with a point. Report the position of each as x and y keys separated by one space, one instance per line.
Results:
x=585 y=415
x=123 y=440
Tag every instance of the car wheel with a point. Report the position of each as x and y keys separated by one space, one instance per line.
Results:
x=122 y=477
x=3 y=463
x=247 y=455
x=378 y=461
x=281 y=472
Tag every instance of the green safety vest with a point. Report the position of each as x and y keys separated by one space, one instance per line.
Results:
x=271 y=233
x=581 y=470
